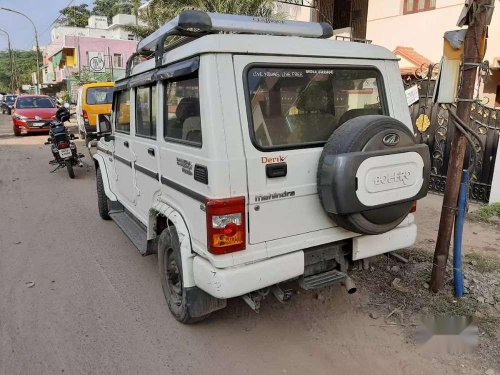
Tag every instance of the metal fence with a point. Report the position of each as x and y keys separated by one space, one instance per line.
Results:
x=432 y=126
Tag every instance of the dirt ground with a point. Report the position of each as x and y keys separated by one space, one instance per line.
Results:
x=77 y=298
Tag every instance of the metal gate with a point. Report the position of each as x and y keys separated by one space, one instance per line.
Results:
x=431 y=126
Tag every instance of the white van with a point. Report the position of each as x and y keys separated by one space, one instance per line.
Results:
x=254 y=152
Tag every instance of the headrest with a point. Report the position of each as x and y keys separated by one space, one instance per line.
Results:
x=314 y=98
x=187 y=107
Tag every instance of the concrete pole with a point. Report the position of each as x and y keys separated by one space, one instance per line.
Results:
x=38 y=83
x=12 y=67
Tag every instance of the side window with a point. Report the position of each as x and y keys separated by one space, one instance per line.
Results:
x=145 y=111
x=182 y=112
x=122 y=114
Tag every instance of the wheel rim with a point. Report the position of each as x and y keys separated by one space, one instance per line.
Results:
x=173 y=276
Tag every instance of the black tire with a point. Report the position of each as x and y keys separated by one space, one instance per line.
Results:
x=170 y=265
x=102 y=199
x=364 y=133
x=69 y=167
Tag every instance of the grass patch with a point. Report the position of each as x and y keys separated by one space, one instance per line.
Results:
x=486 y=212
x=482 y=263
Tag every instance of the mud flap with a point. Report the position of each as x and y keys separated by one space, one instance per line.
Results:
x=200 y=303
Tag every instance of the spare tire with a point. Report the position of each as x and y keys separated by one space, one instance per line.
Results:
x=370 y=172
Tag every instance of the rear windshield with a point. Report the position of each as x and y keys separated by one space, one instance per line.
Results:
x=34 y=102
x=99 y=95
x=303 y=106
x=10 y=98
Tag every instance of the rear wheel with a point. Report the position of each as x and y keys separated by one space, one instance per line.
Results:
x=102 y=199
x=69 y=167
x=16 y=132
x=170 y=264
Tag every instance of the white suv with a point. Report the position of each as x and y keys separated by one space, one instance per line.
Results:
x=252 y=151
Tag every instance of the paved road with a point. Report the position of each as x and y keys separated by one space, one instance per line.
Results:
x=97 y=306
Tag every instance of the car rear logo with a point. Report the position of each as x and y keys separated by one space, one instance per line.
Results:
x=391 y=139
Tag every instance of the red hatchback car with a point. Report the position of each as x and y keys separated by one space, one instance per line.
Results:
x=31 y=112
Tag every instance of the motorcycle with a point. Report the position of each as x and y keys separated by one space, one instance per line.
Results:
x=63 y=149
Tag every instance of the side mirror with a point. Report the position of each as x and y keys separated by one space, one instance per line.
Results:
x=103 y=124
x=66 y=105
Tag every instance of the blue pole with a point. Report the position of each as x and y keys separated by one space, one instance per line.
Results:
x=457 y=239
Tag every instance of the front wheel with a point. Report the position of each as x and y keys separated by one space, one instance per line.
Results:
x=69 y=167
x=102 y=199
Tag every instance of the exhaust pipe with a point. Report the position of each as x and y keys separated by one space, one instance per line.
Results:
x=349 y=285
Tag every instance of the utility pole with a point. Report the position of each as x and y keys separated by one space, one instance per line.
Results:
x=38 y=83
x=472 y=57
x=13 y=81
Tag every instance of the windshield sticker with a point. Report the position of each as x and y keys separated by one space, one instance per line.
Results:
x=271 y=196
x=278 y=73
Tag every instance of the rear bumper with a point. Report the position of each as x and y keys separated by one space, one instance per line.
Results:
x=236 y=281
x=239 y=280
x=369 y=246
x=90 y=129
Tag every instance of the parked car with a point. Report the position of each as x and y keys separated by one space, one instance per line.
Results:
x=7 y=103
x=31 y=113
x=256 y=153
x=93 y=99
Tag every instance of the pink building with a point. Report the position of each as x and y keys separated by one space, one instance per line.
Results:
x=96 y=49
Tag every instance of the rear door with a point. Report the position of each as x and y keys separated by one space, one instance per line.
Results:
x=97 y=101
x=289 y=107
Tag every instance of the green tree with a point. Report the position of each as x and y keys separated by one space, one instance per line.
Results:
x=25 y=66
x=110 y=8
x=76 y=15
x=160 y=11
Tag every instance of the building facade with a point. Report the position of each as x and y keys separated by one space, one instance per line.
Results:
x=421 y=24
x=99 y=49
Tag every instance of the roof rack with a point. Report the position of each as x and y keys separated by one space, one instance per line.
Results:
x=194 y=24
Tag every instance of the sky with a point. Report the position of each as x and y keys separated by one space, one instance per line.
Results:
x=42 y=12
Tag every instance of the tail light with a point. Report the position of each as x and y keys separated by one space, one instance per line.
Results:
x=226 y=225
x=414 y=206
x=85 y=117
x=62 y=145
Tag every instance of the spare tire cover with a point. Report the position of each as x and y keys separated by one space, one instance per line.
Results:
x=385 y=144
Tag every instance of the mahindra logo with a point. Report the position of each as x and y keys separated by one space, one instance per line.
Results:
x=391 y=139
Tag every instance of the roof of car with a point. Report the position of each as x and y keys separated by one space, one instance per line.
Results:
x=99 y=84
x=271 y=45
x=33 y=96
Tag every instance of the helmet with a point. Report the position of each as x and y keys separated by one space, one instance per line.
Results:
x=62 y=114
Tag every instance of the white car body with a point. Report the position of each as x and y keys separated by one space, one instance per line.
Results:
x=279 y=230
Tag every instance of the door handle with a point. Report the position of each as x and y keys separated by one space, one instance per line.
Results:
x=125 y=143
x=151 y=151
x=276 y=170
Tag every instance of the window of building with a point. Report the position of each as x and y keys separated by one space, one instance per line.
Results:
x=182 y=112
x=117 y=60
x=497 y=97
x=145 y=111
x=122 y=122
x=415 y=6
